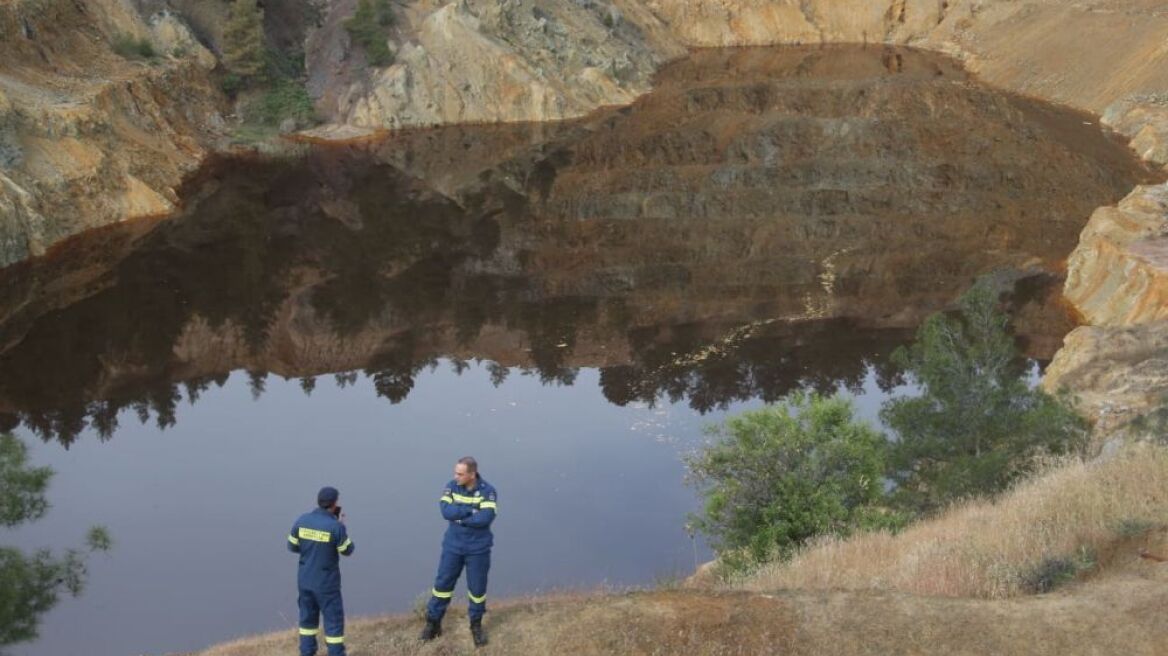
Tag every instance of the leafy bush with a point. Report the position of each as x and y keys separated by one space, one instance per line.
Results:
x=1130 y=527
x=231 y=84
x=128 y=47
x=1055 y=571
x=977 y=424
x=367 y=28
x=778 y=476
x=285 y=99
x=1153 y=424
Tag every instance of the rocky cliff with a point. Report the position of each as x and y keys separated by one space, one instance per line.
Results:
x=756 y=224
x=88 y=137
x=547 y=59
x=1118 y=279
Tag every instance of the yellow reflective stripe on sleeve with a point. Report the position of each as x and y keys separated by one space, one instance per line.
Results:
x=293 y=540
x=477 y=600
x=461 y=499
x=489 y=504
x=442 y=595
x=314 y=535
x=345 y=545
x=309 y=632
x=335 y=640
x=447 y=499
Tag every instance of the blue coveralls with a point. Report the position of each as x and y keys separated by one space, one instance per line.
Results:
x=467 y=543
x=320 y=540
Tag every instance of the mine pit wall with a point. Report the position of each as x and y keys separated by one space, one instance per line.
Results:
x=1106 y=57
x=87 y=138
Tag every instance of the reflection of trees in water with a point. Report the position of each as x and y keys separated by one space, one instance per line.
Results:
x=31 y=583
x=356 y=245
x=766 y=362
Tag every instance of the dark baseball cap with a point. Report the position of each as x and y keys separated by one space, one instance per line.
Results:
x=327 y=496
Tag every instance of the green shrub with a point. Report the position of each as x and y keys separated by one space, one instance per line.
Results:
x=285 y=99
x=128 y=47
x=1153 y=424
x=1055 y=571
x=977 y=424
x=231 y=84
x=775 y=477
x=367 y=28
x=1130 y=527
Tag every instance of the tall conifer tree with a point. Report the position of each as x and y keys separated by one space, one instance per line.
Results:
x=243 y=39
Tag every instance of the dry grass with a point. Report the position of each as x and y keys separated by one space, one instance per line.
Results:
x=974 y=551
x=1078 y=512
x=1116 y=616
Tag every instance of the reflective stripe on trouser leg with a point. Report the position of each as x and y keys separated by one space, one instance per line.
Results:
x=309 y=621
x=477 y=567
x=332 y=607
x=449 y=567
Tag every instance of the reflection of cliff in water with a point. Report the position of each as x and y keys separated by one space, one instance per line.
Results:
x=765 y=219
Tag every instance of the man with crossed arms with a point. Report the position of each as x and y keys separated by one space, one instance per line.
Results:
x=469 y=504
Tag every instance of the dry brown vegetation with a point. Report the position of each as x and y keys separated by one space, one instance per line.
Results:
x=1077 y=512
x=1121 y=615
x=1115 y=507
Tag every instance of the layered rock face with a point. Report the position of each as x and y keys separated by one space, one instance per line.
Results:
x=88 y=138
x=765 y=220
x=546 y=59
x=488 y=61
x=1118 y=278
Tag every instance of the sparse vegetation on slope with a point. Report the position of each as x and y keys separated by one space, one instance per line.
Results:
x=368 y=28
x=1065 y=522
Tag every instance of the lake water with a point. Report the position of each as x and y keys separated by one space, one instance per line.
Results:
x=570 y=303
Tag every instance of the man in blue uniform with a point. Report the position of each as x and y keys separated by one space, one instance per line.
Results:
x=469 y=504
x=320 y=538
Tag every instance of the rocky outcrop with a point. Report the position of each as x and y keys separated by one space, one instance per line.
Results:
x=1117 y=374
x=88 y=138
x=1118 y=279
x=546 y=59
x=1118 y=273
x=487 y=61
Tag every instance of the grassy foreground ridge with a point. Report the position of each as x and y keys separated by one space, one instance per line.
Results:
x=956 y=584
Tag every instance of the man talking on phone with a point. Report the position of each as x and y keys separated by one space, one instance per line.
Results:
x=319 y=536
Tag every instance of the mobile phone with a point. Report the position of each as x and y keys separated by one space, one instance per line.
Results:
x=336 y=511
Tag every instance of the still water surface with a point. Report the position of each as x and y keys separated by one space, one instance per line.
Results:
x=570 y=303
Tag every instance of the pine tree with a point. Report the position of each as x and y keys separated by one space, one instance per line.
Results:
x=243 y=39
x=977 y=423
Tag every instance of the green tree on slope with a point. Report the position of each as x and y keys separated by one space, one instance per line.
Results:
x=977 y=424
x=368 y=26
x=243 y=40
x=775 y=477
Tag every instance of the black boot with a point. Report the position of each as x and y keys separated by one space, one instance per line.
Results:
x=476 y=632
x=432 y=630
